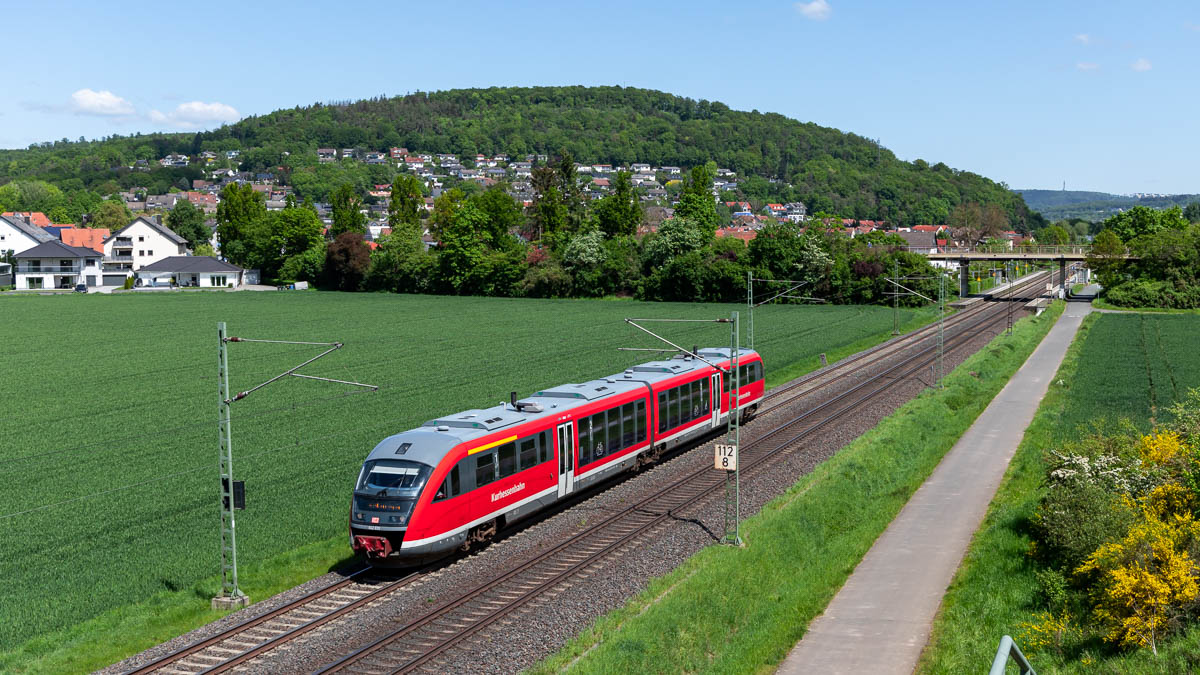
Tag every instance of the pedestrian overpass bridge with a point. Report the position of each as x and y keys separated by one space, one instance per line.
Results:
x=964 y=256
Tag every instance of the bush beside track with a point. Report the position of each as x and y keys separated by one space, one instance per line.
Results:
x=741 y=610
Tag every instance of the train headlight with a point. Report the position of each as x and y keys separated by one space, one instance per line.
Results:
x=358 y=516
x=398 y=519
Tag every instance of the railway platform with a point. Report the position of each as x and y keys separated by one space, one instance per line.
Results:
x=880 y=620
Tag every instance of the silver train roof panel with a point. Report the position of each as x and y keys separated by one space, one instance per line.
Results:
x=431 y=441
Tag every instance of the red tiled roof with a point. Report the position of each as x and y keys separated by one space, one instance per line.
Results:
x=86 y=238
x=35 y=217
x=925 y=228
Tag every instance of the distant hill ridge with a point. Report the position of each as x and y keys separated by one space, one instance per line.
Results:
x=776 y=157
x=1060 y=204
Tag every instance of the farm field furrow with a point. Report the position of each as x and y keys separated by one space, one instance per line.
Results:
x=109 y=487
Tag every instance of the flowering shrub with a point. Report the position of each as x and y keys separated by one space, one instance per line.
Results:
x=1148 y=580
x=1046 y=630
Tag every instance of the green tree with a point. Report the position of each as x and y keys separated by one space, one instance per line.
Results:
x=1107 y=258
x=1192 y=212
x=503 y=214
x=461 y=246
x=549 y=212
x=187 y=221
x=347 y=260
x=696 y=202
x=347 y=211
x=204 y=249
x=1142 y=220
x=619 y=212
x=675 y=237
x=241 y=225
x=406 y=205
x=111 y=214
x=1055 y=235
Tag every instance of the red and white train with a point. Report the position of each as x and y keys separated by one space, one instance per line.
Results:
x=456 y=480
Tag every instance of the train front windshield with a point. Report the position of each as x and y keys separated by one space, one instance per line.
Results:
x=385 y=477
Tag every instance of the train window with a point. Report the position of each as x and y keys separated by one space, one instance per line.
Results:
x=614 y=430
x=451 y=487
x=508 y=459
x=627 y=425
x=585 y=440
x=685 y=403
x=675 y=408
x=383 y=475
x=485 y=468
x=640 y=420
x=599 y=435
x=528 y=452
x=545 y=445
x=704 y=409
x=662 y=411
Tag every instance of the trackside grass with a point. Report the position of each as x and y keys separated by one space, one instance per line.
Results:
x=742 y=610
x=1108 y=372
x=108 y=502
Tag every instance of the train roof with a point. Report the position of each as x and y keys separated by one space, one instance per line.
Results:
x=432 y=440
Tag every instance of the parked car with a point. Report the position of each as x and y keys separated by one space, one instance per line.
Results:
x=81 y=288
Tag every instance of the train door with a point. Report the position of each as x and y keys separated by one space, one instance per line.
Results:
x=714 y=395
x=566 y=459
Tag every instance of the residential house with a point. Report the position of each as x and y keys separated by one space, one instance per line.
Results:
x=205 y=201
x=232 y=154
x=349 y=153
x=174 y=160
x=165 y=202
x=198 y=184
x=602 y=168
x=640 y=168
x=326 y=155
x=83 y=237
x=6 y=277
x=376 y=158
x=398 y=153
x=776 y=210
x=921 y=242
x=53 y=264
x=796 y=211
x=140 y=243
x=19 y=234
x=925 y=228
x=412 y=163
x=670 y=170
x=208 y=156
x=600 y=184
x=200 y=271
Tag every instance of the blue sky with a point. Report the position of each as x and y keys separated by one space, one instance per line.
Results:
x=1101 y=95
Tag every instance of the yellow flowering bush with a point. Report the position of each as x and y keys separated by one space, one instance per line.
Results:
x=1148 y=578
x=1161 y=447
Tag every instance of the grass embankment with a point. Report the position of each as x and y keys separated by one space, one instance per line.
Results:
x=996 y=589
x=83 y=592
x=741 y=610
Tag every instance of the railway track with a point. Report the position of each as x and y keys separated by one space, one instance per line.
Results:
x=423 y=642
x=427 y=642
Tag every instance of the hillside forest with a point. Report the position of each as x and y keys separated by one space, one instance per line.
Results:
x=777 y=158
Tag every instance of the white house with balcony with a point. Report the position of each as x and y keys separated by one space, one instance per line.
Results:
x=143 y=242
x=53 y=264
x=19 y=234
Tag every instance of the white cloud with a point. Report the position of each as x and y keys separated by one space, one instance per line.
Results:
x=1141 y=65
x=104 y=103
x=817 y=10
x=1087 y=65
x=196 y=114
x=1083 y=38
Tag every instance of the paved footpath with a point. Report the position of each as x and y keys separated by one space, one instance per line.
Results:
x=880 y=620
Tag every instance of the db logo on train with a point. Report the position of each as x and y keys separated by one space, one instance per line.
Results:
x=726 y=457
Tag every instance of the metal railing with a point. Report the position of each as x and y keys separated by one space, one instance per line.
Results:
x=1007 y=649
x=23 y=269
x=118 y=258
